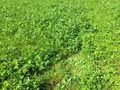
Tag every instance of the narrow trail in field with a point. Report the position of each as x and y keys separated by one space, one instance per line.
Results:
x=65 y=71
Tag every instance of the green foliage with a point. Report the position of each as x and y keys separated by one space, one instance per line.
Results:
x=36 y=35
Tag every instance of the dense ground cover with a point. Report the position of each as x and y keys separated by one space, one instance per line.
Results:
x=38 y=40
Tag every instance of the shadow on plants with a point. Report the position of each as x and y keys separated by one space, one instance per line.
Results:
x=45 y=85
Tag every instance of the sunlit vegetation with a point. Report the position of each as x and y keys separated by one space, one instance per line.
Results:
x=60 y=45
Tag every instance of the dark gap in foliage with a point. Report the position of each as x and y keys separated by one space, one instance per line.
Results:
x=45 y=85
